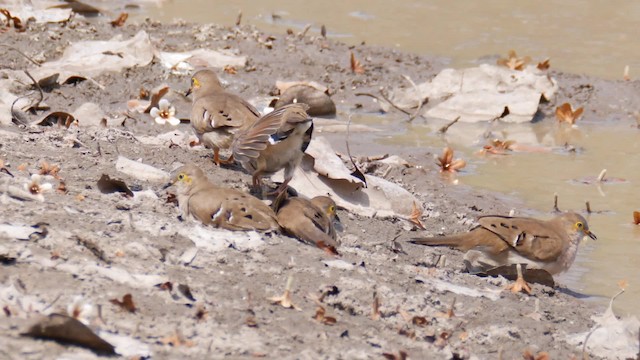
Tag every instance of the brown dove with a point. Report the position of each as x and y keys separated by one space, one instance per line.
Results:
x=550 y=245
x=216 y=115
x=226 y=208
x=276 y=141
x=310 y=221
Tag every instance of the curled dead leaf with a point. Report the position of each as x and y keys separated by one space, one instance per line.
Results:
x=416 y=214
x=565 y=113
x=543 y=65
x=401 y=355
x=60 y=118
x=528 y=355
x=66 y=329
x=356 y=67
x=120 y=20
x=126 y=303
x=17 y=23
x=49 y=169
x=636 y=217
x=108 y=185
x=322 y=318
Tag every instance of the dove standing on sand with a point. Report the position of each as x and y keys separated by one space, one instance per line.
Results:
x=310 y=221
x=216 y=115
x=276 y=141
x=549 y=245
x=217 y=206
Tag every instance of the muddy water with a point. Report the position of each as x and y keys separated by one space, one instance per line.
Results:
x=593 y=37
x=465 y=31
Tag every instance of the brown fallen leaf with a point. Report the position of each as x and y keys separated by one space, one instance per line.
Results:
x=108 y=185
x=186 y=291
x=229 y=69
x=49 y=169
x=565 y=113
x=60 y=118
x=498 y=147
x=17 y=23
x=62 y=188
x=375 y=307
x=65 y=329
x=126 y=303
x=120 y=20
x=401 y=355
x=446 y=162
x=356 y=67
x=167 y=286
x=513 y=62
x=420 y=321
x=322 y=318
x=4 y=169
x=527 y=355
x=201 y=313
x=636 y=217
x=145 y=106
x=543 y=65
x=416 y=213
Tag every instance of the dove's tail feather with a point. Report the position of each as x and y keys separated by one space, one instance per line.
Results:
x=478 y=237
x=455 y=241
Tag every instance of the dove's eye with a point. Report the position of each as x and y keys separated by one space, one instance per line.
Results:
x=579 y=225
x=181 y=177
x=332 y=209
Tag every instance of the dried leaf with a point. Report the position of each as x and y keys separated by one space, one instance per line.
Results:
x=636 y=217
x=401 y=355
x=49 y=169
x=168 y=286
x=622 y=284
x=420 y=321
x=120 y=20
x=375 y=307
x=544 y=65
x=513 y=62
x=356 y=67
x=68 y=330
x=446 y=162
x=108 y=185
x=17 y=23
x=58 y=117
x=527 y=355
x=186 y=291
x=416 y=214
x=565 y=113
x=201 y=312
x=230 y=69
x=322 y=318
x=126 y=303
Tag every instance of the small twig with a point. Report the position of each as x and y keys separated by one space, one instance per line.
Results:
x=588 y=207
x=421 y=101
x=93 y=248
x=304 y=31
x=555 y=202
x=35 y=83
x=443 y=130
x=239 y=18
x=356 y=171
x=21 y=53
x=602 y=175
x=585 y=355
x=386 y=98
x=51 y=303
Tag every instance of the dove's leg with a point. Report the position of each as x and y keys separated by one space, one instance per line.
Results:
x=520 y=284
